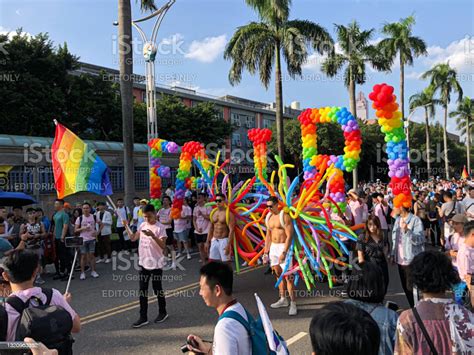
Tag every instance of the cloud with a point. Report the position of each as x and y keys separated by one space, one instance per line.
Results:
x=315 y=60
x=207 y=50
x=460 y=55
x=413 y=75
x=12 y=33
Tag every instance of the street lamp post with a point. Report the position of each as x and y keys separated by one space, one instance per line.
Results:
x=149 y=53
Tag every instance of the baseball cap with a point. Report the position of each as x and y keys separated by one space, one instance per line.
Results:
x=459 y=218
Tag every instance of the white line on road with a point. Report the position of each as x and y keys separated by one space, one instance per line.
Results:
x=295 y=338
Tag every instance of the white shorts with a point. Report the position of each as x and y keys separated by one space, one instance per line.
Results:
x=276 y=249
x=217 y=249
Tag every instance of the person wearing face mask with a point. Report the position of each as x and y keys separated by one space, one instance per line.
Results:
x=372 y=247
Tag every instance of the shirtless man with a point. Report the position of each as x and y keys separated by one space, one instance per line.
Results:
x=221 y=236
x=277 y=244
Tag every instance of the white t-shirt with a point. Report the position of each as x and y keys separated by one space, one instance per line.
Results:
x=230 y=337
x=468 y=206
x=122 y=213
x=135 y=214
x=106 y=221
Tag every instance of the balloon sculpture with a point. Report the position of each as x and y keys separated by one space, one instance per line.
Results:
x=260 y=138
x=318 y=237
x=390 y=120
x=314 y=163
x=157 y=148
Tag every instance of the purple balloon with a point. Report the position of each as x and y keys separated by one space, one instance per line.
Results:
x=172 y=147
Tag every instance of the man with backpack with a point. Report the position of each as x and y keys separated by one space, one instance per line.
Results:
x=230 y=335
x=86 y=226
x=39 y=313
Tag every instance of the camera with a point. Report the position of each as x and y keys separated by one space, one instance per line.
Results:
x=73 y=242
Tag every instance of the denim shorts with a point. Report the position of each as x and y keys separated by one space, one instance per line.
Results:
x=88 y=247
x=182 y=236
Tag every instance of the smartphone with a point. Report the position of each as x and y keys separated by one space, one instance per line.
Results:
x=73 y=242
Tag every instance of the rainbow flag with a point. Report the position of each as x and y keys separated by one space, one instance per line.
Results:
x=464 y=174
x=77 y=167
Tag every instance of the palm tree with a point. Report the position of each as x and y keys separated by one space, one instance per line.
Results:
x=126 y=89
x=401 y=42
x=356 y=51
x=425 y=99
x=443 y=78
x=464 y=119
x=259 y=46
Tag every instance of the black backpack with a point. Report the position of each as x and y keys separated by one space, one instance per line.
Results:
x=46 y=323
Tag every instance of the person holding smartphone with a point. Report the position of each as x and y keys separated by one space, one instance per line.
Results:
x=151 y=260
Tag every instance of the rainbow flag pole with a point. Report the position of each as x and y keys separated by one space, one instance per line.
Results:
x=76 y=168
x=464 y=174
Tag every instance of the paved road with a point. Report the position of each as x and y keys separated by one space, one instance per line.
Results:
x=109 y=305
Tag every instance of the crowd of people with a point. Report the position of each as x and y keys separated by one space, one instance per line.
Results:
x=431 y=244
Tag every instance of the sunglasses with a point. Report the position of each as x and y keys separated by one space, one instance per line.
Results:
x=218 y=200
x=270 y=206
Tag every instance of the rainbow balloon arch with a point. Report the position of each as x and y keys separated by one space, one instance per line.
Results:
x=318 y=238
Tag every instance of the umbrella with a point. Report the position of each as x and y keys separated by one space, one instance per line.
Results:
x=15 y=199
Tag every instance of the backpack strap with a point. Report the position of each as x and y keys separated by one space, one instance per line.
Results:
x=282 y=218
x=236 y=316
x=48 y=292
x=3 y=323
x=17 y=304
x=424 y=331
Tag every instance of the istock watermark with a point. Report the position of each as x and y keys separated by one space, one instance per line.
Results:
x=121 y=263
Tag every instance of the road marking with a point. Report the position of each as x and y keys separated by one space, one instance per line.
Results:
x=135 y=304
x=295 y=338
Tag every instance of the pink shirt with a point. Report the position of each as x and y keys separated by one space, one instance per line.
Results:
x=150 y=255
x=203 y=224
x=357 y=210
x=379 y=212
x=164 y=216
x=181 y=224
x=87 y=221
x=13 y=317
x=465 y=260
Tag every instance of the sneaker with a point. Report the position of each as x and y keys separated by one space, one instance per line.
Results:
x=173 y=266
x=107 y=261
x=161 y=318
x=293 y=311
x=94 y=274
x=281 y=303
x=98 y=261
x=178 y=254
x=140 y=323
x=39 y=280
x=83 y=276
x=188 y=257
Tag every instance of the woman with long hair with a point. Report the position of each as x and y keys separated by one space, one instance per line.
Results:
x=372 y=247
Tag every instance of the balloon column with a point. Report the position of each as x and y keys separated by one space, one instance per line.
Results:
x=314 y=163
x=189 y=151
x=260 y=137
x=157 y=171
x=390 y=120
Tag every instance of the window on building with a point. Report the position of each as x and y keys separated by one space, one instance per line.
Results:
x=236 y=139
x=20 y=180
x=116 y=178
x=250 y=122
x=235 y=119
x=267 y=123
x=46 y=179
x=141 y=178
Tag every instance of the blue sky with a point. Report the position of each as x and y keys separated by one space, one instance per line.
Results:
x=194 y=33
